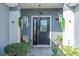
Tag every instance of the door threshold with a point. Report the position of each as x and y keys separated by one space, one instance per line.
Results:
x=41 y=45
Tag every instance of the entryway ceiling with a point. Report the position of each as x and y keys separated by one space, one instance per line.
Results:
x=41 y=5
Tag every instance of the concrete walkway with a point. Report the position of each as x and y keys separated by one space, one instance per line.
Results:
x=39 y=51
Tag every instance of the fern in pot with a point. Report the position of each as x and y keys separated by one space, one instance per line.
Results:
x=21 y=25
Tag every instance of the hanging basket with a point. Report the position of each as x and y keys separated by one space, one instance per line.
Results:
x=21 y=22
x=62 y=23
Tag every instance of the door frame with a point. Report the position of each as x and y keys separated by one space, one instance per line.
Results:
x=32 y=26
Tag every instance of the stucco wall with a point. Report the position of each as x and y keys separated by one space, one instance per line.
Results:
x=68 y=33
x=9 y=32
x=14 y=30
x=76 y=40
x=51 y=12
x=4 y=26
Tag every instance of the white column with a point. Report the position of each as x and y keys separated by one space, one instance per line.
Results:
x=77 y=26
x=68 y=34
x=14 y=31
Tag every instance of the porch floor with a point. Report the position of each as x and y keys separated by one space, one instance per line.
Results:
x=39 y=51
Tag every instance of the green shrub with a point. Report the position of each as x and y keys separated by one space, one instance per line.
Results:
x=57 y=52
x=60 y=39
x=64 y=50
x=54 y=50
x=29 y=43
x=17 y=49
x=70 y=51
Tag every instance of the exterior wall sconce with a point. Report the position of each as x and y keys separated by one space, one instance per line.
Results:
x=57 y=18
x=41 y=13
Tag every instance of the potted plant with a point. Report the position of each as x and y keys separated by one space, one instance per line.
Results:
x=21 y=25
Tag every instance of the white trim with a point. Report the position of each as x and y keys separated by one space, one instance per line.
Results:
x=41 y=45
x=32 y=25
x=11 y=4
x=72 y=4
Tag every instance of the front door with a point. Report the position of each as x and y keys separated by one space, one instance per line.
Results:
x=41 y=28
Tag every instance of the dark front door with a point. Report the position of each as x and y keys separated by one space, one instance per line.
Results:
x=41 y=28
